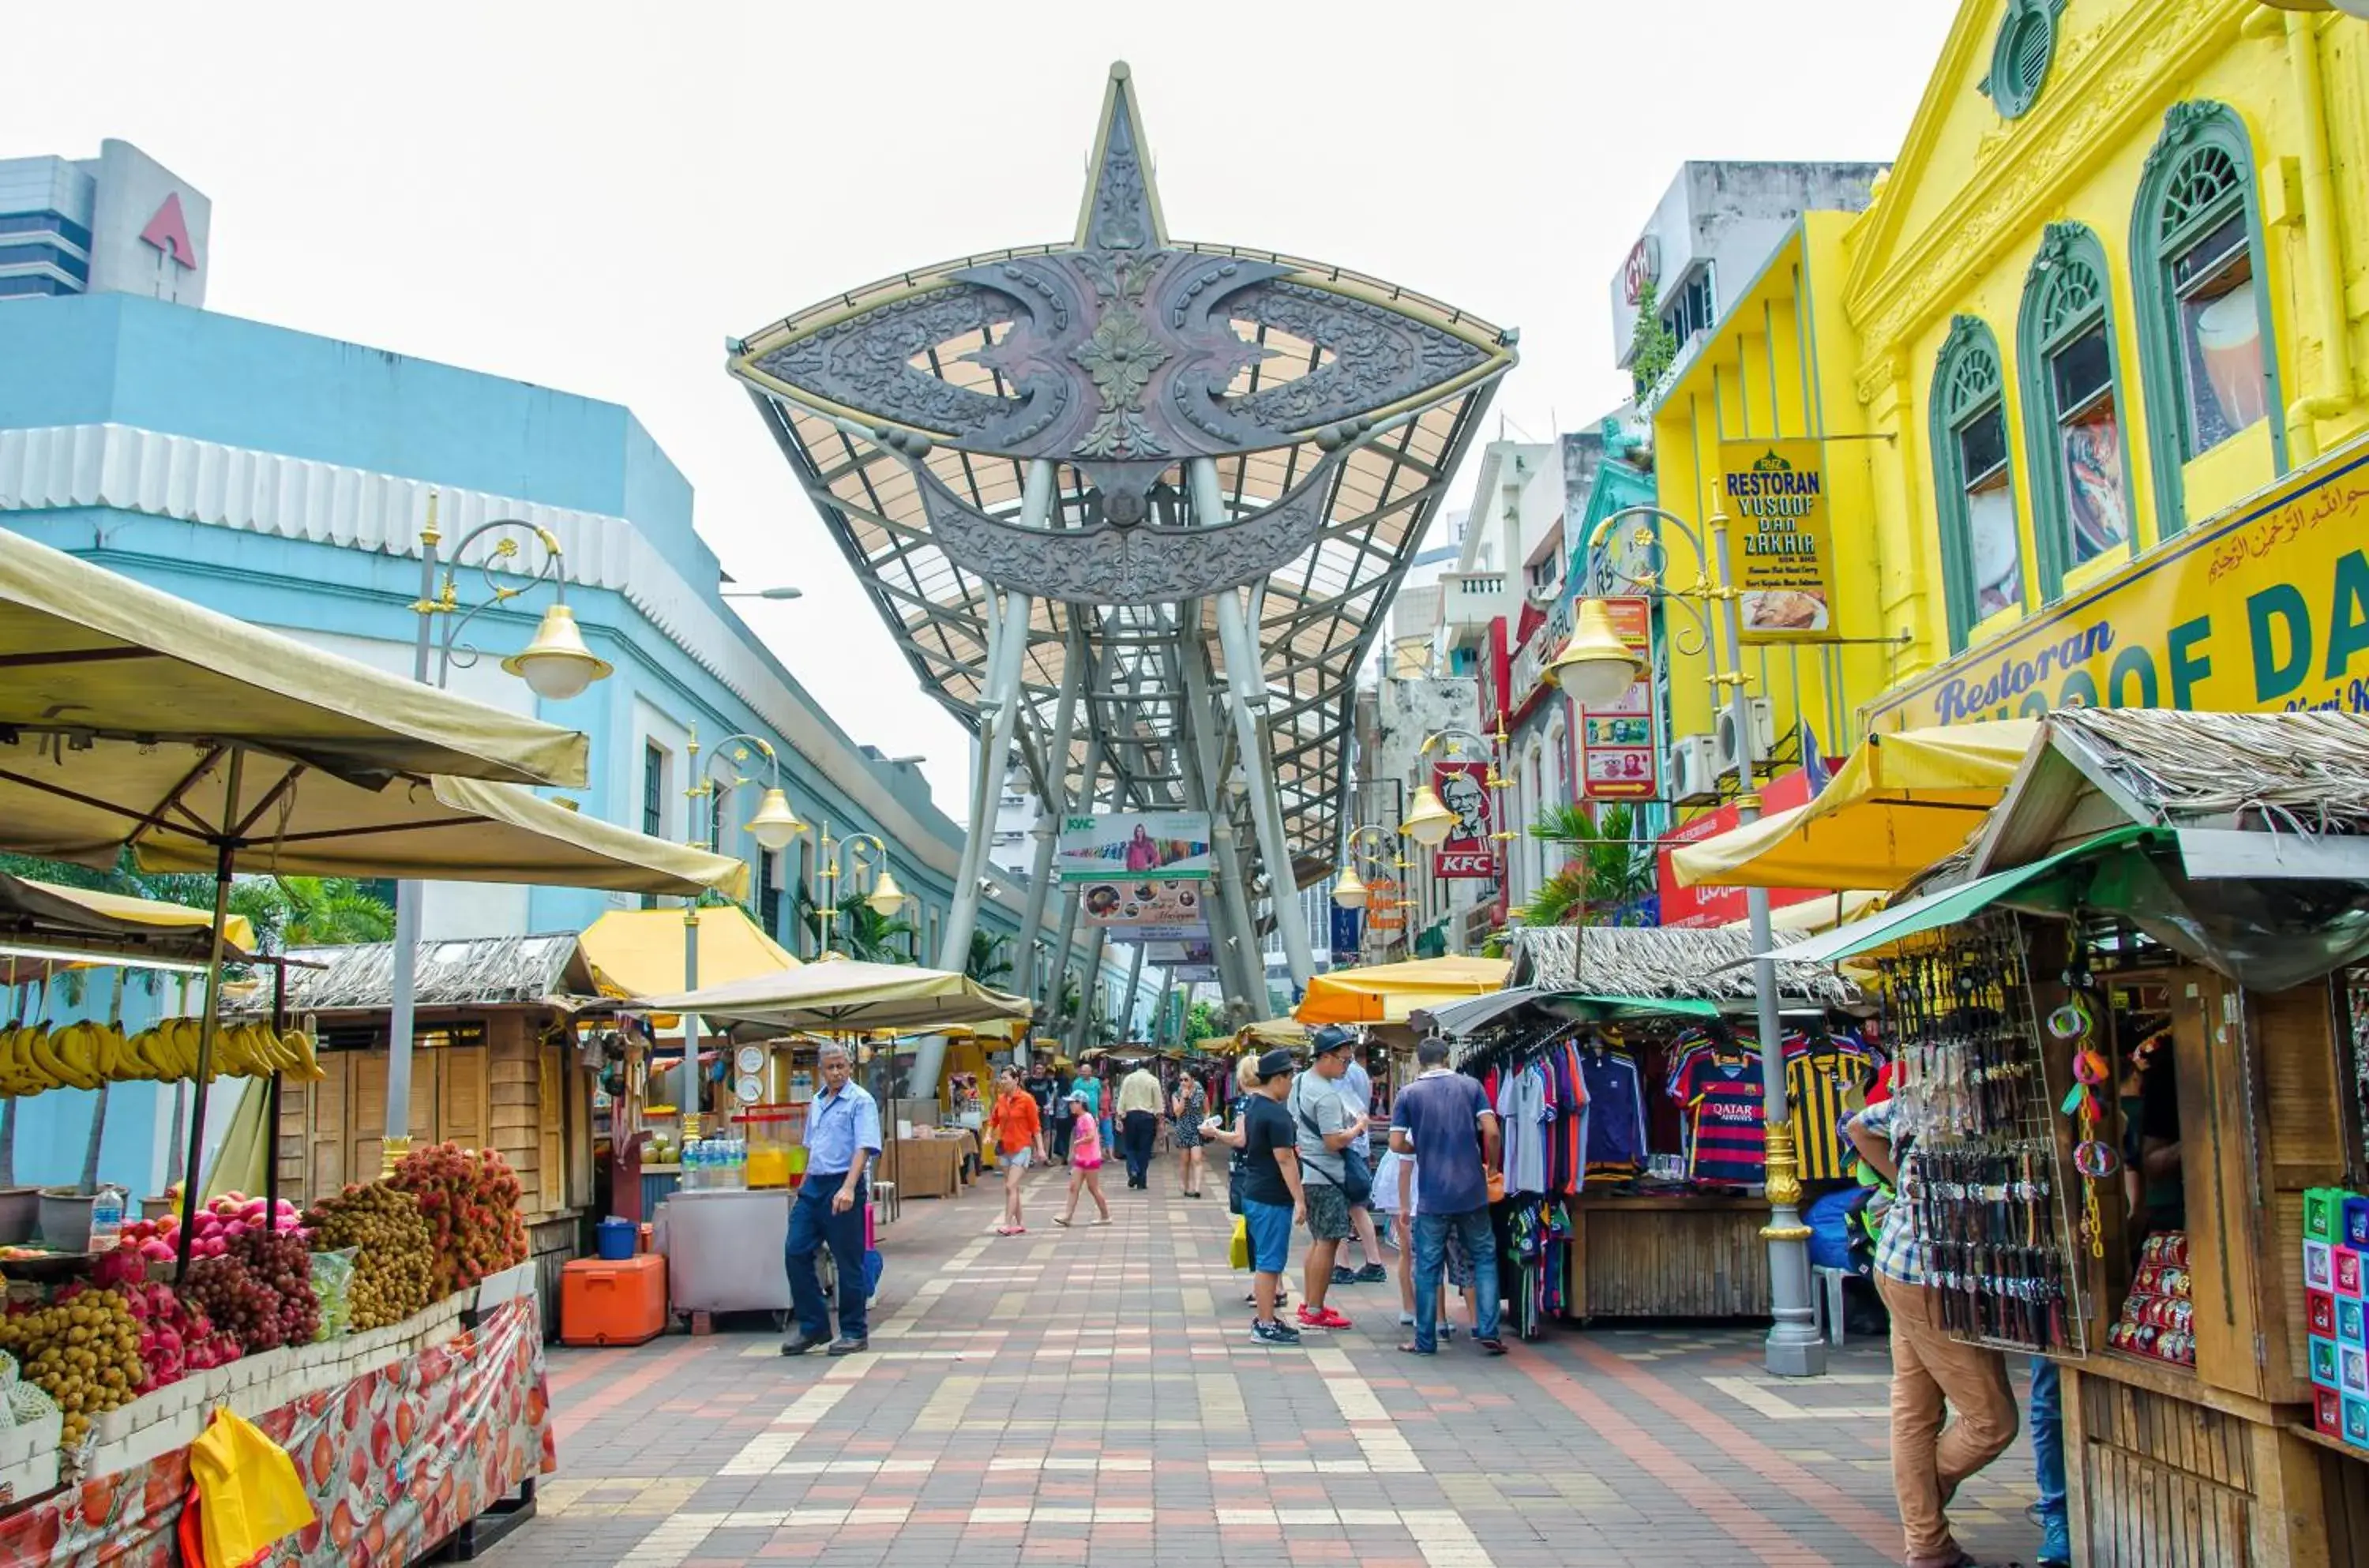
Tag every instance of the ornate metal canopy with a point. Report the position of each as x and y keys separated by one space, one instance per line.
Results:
x=1334 y=406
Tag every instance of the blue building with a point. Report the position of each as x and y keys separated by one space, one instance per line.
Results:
x=285 y=478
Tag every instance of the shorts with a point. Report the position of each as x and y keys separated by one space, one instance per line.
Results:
x=1269 y=1225
x=1018 y=1159
x=1328 y=1211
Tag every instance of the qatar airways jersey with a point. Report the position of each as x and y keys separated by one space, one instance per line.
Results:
x=1727 y=1118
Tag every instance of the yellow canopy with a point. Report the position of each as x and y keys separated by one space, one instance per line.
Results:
x=1386 y=993
x=91 y=651
x=1902 y=802
x=1289 y=1033
x=1822 y=913
x=55 y=908
x=636 y=952
x=845 y=995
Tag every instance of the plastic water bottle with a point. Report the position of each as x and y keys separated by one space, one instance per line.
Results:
x=107 y=1219
x=693 y=1157
x=740 y=1163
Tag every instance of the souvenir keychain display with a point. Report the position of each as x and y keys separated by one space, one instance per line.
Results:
x=1984 y=1189
x=2094 y=1158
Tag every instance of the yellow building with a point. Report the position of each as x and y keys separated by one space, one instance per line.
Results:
x=2086 y=381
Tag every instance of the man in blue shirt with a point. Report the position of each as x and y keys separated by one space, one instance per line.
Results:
x=842 y=1139
x=1444 y=1120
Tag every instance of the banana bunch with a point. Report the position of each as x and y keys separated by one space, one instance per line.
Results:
x=35 y=1057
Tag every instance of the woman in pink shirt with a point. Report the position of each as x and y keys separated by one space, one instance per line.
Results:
x=1085 y=1162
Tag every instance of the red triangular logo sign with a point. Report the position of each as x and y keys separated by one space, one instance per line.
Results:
x=169 y=231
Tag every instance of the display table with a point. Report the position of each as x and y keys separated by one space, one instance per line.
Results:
x=724 y=1250
x=925 y=1167
x=1673 y=1256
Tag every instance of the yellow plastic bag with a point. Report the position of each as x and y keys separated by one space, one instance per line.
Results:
x=247 y=1490
x=1238 y=1250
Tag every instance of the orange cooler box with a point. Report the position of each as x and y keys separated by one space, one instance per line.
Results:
x=612 y=1303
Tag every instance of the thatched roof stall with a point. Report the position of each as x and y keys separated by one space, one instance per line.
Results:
x=1667 y=962
x=494 y=971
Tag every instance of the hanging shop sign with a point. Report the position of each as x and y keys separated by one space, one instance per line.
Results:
x=1468 y=853
x=1385 y=916
x=1348 y=933
x=1200 y=963
x=1704 y=907
x=1618 y=759
x=1156 y=843
x=1774 y=497
x=1138 y=911
x=2263 y=609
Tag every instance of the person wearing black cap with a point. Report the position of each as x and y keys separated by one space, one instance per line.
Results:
x=1273 y=1199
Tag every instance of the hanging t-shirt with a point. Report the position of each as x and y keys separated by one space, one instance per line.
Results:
x=1822 y=1087
x=1728 y=1119
x=1523 y=1108
x=1616 y=1120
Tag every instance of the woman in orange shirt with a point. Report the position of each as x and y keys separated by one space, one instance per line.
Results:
x=1019 y=1137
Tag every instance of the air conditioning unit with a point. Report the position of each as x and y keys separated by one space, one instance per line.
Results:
x=1694 y=770
x=1763 y=735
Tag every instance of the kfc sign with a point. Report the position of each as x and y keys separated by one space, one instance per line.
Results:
x=1469 y=852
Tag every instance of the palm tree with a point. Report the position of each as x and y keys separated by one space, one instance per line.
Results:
x=864 y=932
x=990 y=957
x=1610 y=870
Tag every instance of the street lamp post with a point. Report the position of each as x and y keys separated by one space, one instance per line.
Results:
x=849 y=859
x=773 y=826
x=1378 y=851
x=556 y=665
x=1594 y=667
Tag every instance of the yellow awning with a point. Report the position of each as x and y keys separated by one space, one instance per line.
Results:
x=1902 y=802
x=1822 y=913
x=97 y=913
x=847 y=995
x=444 y=830
x=86 y=649
x=637 y=951
x=1386 y=993
x=1269 y=1032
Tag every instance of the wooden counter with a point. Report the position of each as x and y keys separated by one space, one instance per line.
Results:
x=1673 y=1256
x=924 y=1167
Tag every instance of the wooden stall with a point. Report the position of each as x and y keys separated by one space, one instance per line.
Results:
x=2201 y=976
x=495 y=1065
x=1654 y=1248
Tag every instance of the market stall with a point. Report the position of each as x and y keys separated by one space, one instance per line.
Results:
x=1629 y=1085
x=133 y=721
x=704 y=1234
x=2133 y=1020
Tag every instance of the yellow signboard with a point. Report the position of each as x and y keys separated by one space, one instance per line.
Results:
x=1775 y=495
x=2264 y=609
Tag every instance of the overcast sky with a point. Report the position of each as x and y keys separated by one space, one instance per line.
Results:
x=591 y=196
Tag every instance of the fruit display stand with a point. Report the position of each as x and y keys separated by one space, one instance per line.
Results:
x=403 y=1438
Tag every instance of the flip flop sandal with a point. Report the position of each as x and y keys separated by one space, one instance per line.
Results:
x=1412 y=1349
x=1062 y=1223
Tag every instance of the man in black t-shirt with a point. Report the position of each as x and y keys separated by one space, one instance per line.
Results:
x=1273 y=1200
x=1042 y=1087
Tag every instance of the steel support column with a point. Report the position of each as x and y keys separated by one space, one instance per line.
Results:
x=1134 y=978
x=1054 y=797
x=1069 y=924
x=1234 y=935
x=1246 y=688
x=1088 y=989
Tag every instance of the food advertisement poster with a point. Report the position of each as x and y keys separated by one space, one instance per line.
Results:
x=2263 y=609
x=1114 y=843
x=1782 y=546
x=1618 y=759
x=1135 y=911
x=1468 y=853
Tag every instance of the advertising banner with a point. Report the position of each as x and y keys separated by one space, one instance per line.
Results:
x=1618 y=759
x=1135 y=843
x=1145 y=911
x=1782 y=543
x=2264 y=609
x=1703 y=906
x=1468 y=853
x=1348 y=933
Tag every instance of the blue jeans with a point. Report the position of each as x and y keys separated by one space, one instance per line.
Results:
x=2048 y=1462
x=813 y=1226
x=1480 y=1239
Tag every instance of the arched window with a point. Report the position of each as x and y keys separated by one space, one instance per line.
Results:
x=1981 y=556
x=2204 y=307
x=2074 y=433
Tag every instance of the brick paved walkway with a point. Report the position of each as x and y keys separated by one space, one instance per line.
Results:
x=1090 y=1396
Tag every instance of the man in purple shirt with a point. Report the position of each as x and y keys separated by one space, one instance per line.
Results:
x=1444 y=1120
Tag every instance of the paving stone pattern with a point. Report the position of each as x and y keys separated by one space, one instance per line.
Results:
x=1092 y=1396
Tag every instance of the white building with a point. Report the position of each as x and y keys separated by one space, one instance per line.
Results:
x=120 y=222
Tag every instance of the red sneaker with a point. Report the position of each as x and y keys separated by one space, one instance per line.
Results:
x=1322 y=1318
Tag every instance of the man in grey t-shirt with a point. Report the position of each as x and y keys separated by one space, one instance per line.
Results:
x=1358 y=1094
x=1326 y=1129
